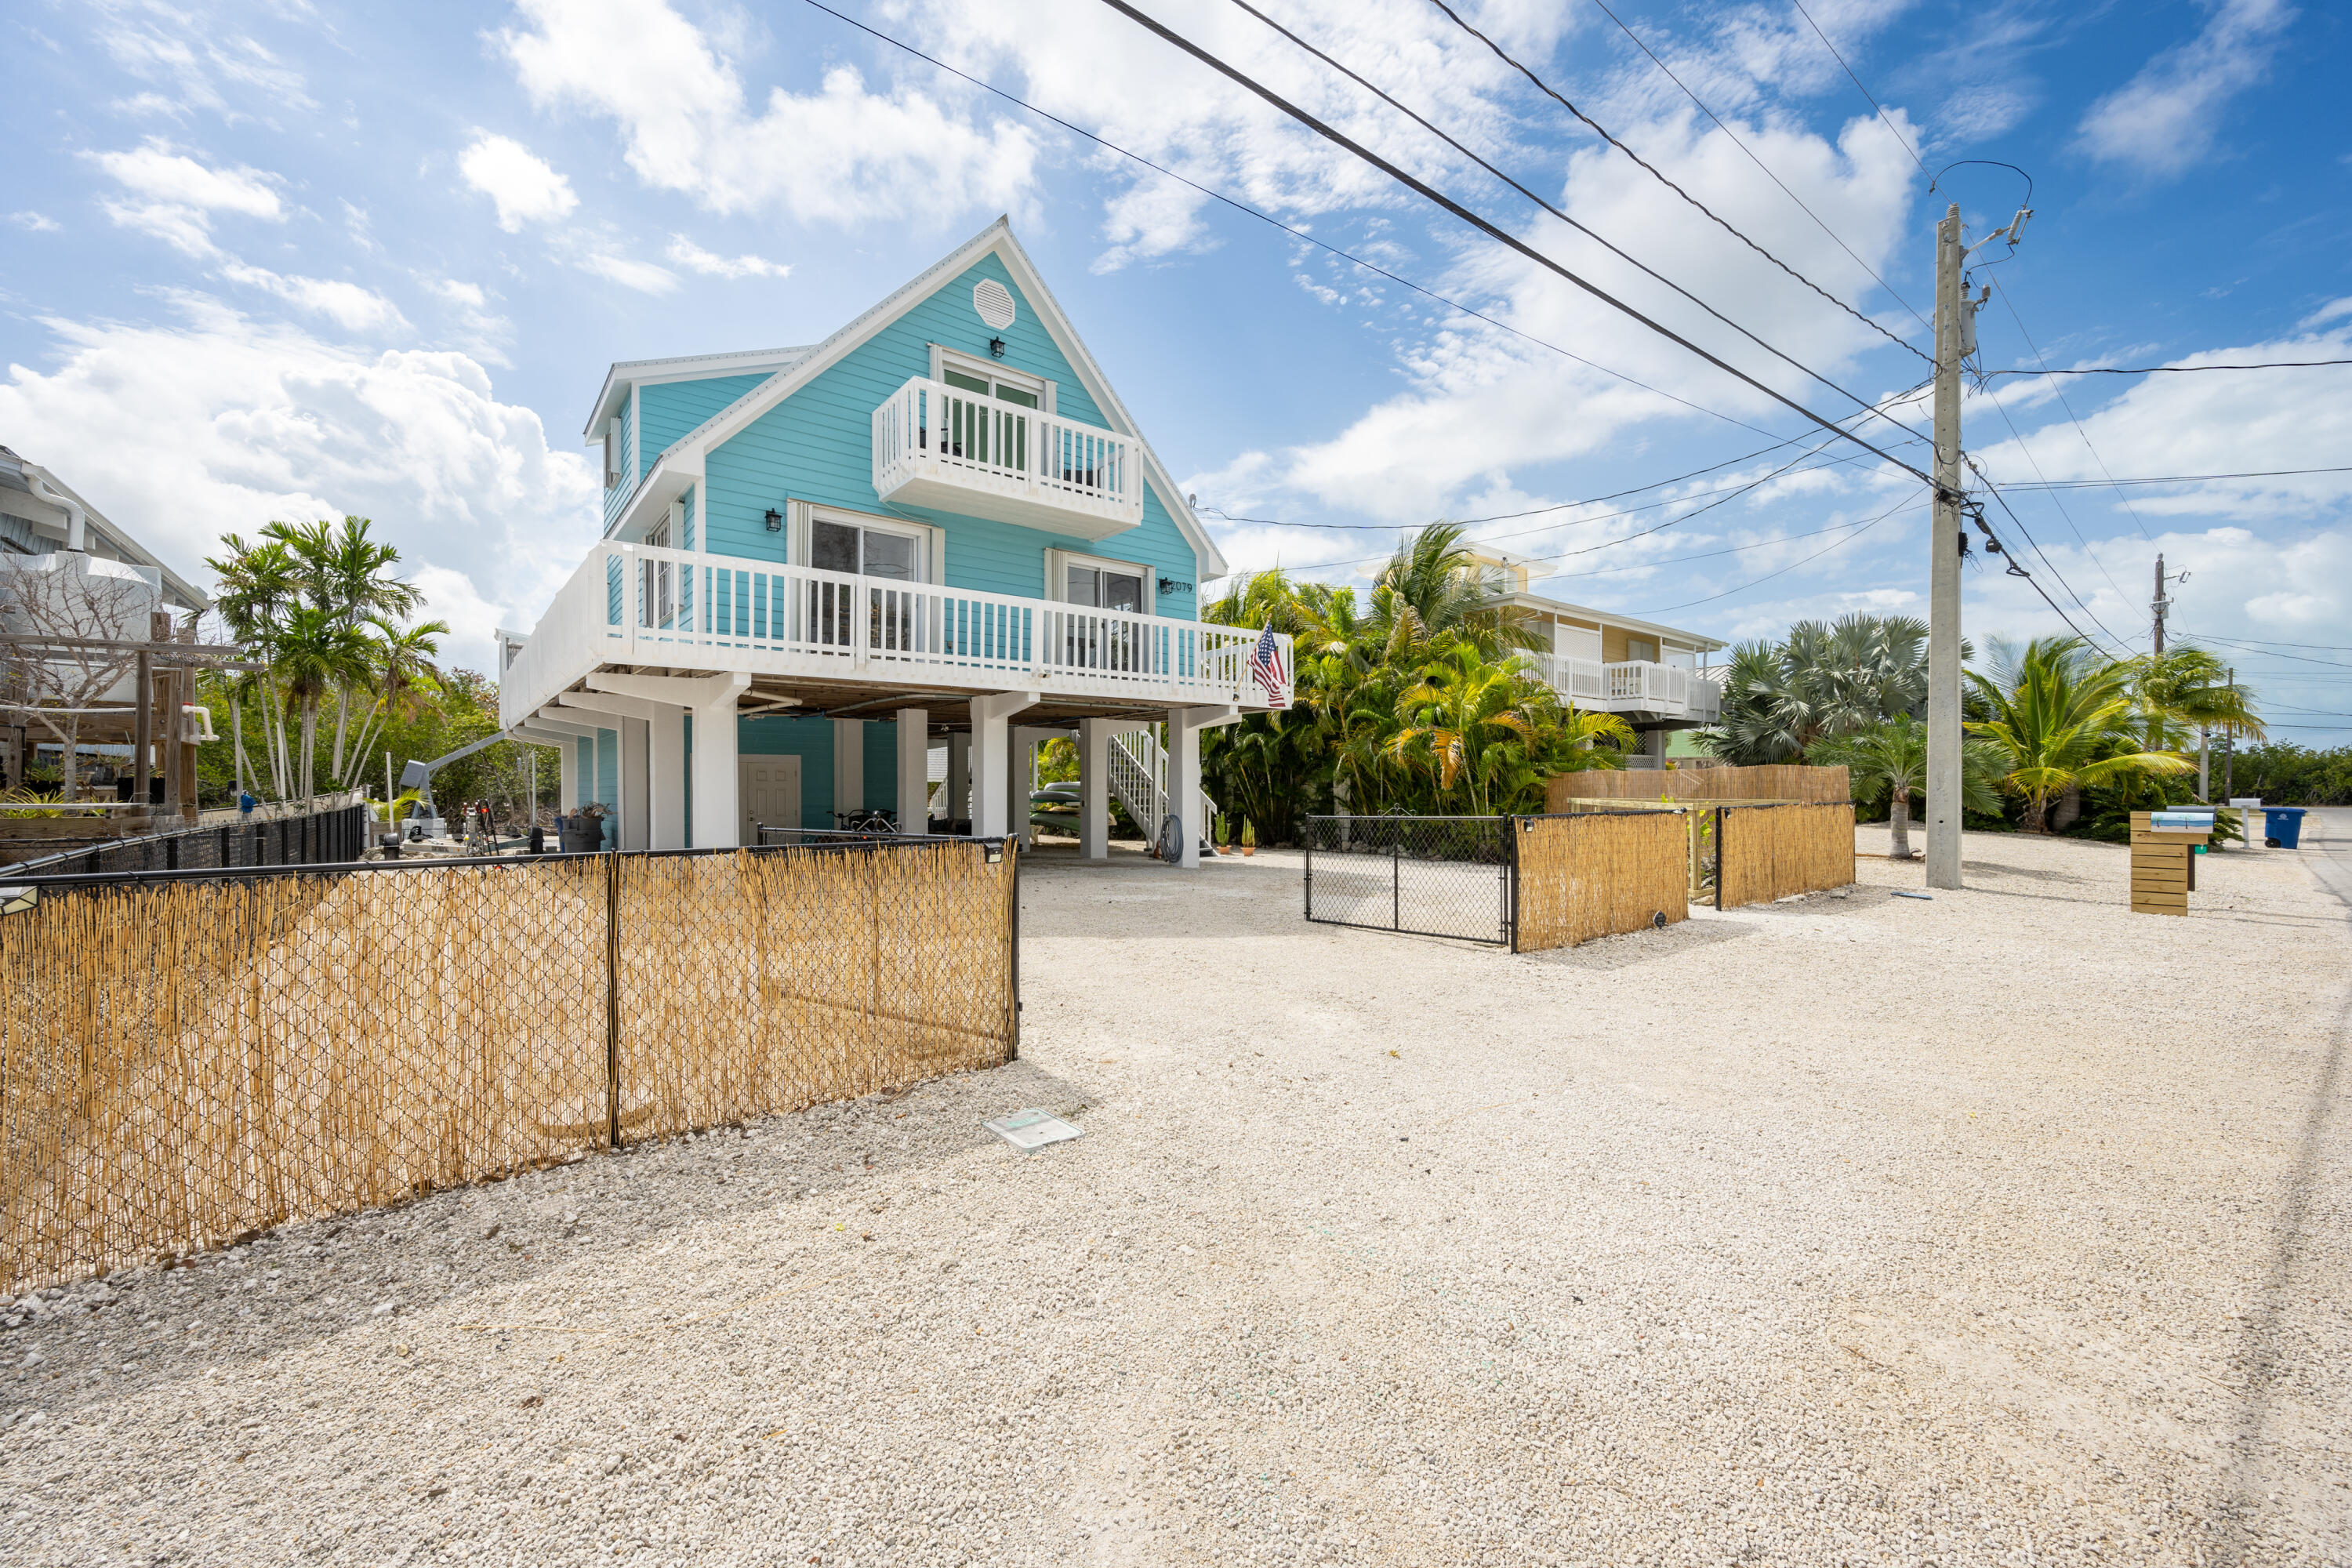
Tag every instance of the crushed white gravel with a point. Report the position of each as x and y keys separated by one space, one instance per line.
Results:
x=2006 y=1227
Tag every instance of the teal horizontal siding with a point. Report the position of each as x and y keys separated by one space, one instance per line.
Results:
x=817 y=446
x=671 y=408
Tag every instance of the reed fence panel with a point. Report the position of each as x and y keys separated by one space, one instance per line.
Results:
x=185 y=1061
x=759 y=983
x=1597 y=874
x=1767 y=852
x=1693 y=785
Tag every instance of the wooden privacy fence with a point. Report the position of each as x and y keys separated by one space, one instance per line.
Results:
x=1767 y=852
x=1693 y=786
x=185 y=1060
x=1597 y=874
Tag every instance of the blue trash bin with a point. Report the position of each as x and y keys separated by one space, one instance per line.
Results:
x=2283 y=827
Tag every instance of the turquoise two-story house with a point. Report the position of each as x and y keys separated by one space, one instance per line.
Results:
x=936 y=530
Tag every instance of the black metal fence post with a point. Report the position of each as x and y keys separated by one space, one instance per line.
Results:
x=1719 y=862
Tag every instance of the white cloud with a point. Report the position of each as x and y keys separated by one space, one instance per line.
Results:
x=644 y=277
x=203 y=62
x=841 y=154
x=40 y=223
x=688 y=253
x=524 y=186
x=480 y=330
x=155 y=170
x=174 y=197
x=2163 y=121
x=1485 y=406
x=351 y=306
x=184 y=432
x=467 y=294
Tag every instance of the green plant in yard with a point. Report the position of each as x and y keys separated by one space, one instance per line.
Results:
x=1889 y=761
x=1249 y=834
x=2060 y=718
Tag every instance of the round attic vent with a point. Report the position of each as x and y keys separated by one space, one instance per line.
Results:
x=993 y=300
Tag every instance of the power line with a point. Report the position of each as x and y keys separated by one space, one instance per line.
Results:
x=1895 y=402
x=1994 y=490
x=1791 y=566
x=2174 y=478
x=1298 y=234
x=2044 y=360
x=1900 y=140
x=2002 y=409
x=2266 y=653
x=2168 y=369
x=2274 y=642
x=1502 y=236
x=1759 y=162
x=1604 y=133
x=1558 y=212
x=1726 y=494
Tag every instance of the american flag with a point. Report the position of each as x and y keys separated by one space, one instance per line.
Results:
x=1266 y=663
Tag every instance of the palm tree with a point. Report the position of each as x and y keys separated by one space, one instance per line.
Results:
x=1470 y=723
x=404 y=671
x=2188 y=688
x=315 y=653
x=2060 y=718
x=1890 y=758
x=345 y=574
x=1823 y=679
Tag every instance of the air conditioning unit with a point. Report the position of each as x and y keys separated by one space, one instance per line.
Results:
x=195 y=724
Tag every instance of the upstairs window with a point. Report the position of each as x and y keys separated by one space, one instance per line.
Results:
x=865 y=552
x=1103 y=584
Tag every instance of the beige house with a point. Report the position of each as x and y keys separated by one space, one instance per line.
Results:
x=1656 y=677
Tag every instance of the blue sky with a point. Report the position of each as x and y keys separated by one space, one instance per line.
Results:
x=284 y=260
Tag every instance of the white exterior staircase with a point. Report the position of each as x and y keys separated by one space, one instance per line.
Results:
x=1138 y=777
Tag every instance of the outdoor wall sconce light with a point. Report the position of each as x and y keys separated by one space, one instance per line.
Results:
x=997 y=348
x=775 y=520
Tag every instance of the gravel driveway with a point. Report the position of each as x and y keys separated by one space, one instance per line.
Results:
x=2006 y=1227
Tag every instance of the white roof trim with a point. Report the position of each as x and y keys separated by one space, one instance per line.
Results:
x=1700 y=640
x=813 y=362
x=684 y=367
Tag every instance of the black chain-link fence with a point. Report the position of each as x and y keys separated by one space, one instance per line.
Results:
x=319 y=838
x=1430 y=876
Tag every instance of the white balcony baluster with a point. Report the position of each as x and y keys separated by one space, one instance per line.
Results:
x=938 y=446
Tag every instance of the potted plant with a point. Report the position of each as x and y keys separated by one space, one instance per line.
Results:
x=1249 y=836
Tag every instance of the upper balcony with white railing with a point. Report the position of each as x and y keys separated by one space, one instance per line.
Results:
x=942 y=448
x=1632 y=686
x=634 y=606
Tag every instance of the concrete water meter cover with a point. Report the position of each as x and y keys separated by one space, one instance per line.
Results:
x=1031 y=1129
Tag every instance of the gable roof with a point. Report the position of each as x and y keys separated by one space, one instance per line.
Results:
x=811 y=362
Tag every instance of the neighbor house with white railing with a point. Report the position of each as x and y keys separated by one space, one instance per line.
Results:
x=1656 y=678
x=938 y=530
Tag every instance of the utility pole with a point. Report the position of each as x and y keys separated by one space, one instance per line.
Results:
x=2159 y=604
x=1943 y=571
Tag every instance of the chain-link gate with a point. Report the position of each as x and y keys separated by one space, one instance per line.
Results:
x=1428 y=875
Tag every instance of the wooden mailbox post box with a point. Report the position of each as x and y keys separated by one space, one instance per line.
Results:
x=2164 y=847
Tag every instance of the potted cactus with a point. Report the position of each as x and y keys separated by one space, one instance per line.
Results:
x=1249 y=836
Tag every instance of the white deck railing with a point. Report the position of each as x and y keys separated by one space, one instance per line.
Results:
x=1631 y=686
x=939 y=445
x=635 y=605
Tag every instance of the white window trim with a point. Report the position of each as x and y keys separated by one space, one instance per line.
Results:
x=612 y=451
x=942 y=357
x=799 y=516
x=636 y=434
x=1057 y=576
